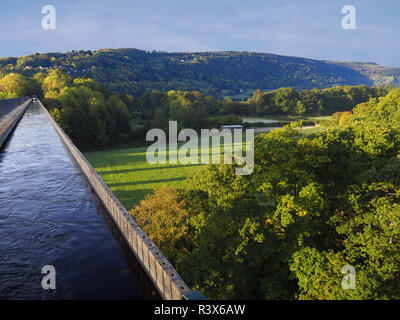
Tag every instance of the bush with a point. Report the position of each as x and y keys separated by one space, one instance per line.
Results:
x=164 y=218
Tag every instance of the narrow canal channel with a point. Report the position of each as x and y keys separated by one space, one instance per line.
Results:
x=50 y=216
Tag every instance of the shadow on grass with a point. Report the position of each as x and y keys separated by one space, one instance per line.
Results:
x=133 y=183
x=148 y=168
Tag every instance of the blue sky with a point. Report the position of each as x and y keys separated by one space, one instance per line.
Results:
x=304 y=28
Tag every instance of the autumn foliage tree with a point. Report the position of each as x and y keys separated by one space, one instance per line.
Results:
x=15 y=85
x=165 y=218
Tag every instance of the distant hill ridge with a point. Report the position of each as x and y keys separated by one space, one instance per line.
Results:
x=224 y=73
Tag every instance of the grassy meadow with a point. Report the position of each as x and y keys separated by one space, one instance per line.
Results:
x=127 y=172
x=129 y=175
x=278 y=118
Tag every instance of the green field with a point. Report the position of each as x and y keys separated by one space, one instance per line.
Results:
x=277 y=118
x=309 y=131
x=129 y=175
x=259 y=119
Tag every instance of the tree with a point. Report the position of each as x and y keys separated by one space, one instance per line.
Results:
x=91 y=115
x=15 y=85
x=286 y=100
x=56 y=80
x=164 y=217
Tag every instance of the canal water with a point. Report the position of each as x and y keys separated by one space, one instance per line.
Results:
x=50 y=216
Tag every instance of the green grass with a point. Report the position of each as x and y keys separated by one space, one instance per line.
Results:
x=319 y=118
x=275 y=118
x=129 y=175
x=259 y=119
x=309 y=131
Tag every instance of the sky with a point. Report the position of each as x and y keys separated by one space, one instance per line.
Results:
x=302 y=28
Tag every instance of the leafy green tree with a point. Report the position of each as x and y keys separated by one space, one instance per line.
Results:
x=286 y=99
x=90 y=114
x=14 y=85
x=56 y=80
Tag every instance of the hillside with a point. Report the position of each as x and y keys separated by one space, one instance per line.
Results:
x=234 y=74
x=379 y=75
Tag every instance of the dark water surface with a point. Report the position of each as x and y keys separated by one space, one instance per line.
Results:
x=49 y=216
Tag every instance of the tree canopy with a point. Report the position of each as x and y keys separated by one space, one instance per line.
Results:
x=91 y=115
x=313 y=205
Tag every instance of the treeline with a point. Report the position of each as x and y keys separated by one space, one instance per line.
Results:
x=190 y=109
x=312 y=102
x=91 y=115
x=313 y=205
x=220 y=74
x=194 y=110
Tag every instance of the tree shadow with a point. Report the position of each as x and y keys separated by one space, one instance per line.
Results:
x=148 y=168
x=133 y=183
